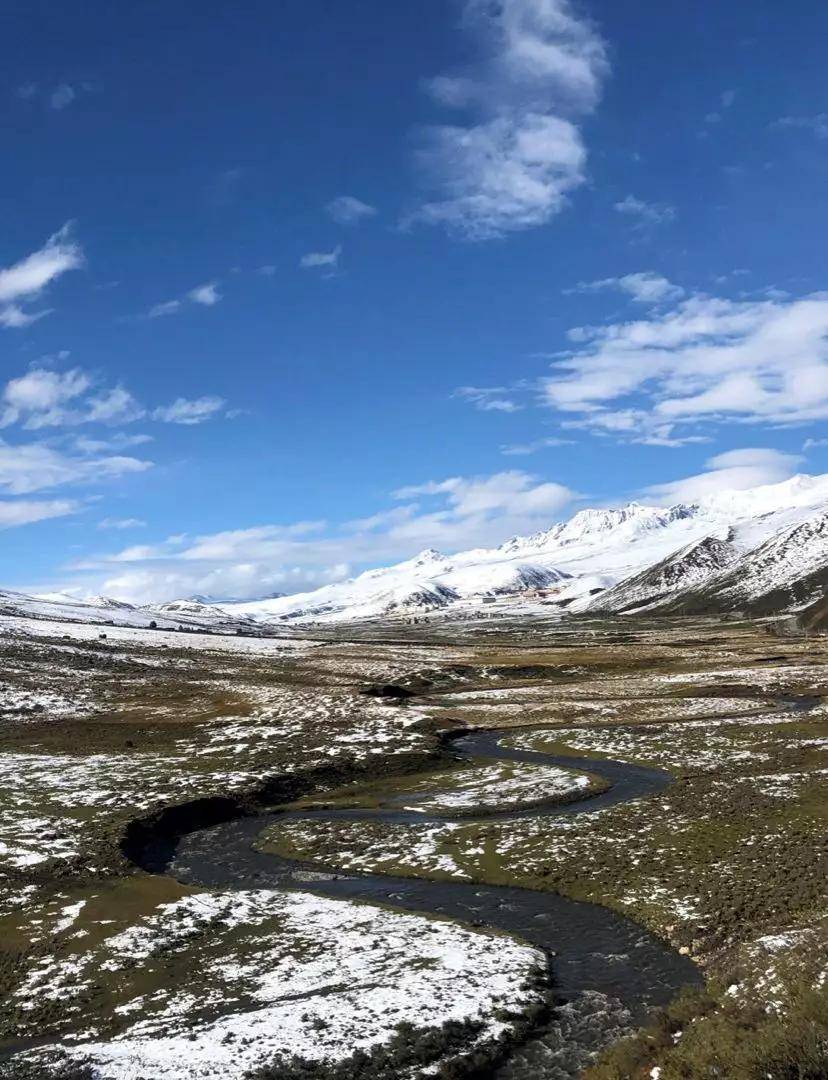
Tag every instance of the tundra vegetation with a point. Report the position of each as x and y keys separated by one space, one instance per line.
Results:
x=105 y=742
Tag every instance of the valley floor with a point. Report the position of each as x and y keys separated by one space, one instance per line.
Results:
x=115 y=972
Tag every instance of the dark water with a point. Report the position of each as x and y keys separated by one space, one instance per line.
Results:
x=608 y=971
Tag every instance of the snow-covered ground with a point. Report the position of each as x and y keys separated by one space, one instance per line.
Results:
x=307 y=969
x=499 y=786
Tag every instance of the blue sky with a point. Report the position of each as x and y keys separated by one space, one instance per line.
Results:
x=295 y=289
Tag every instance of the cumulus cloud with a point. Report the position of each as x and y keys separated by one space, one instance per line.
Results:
x=643 y=214
x=703 y=359
x=46 y=398
x=26 y=280
x=323 y=259
x=513 y=164
x=734 y=470
x=348 y=210
x=189 y=411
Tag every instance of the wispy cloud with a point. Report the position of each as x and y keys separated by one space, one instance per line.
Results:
x=645 y=288
x=206 y=295
x=645 y=214
x=31 y=467
x=56 y=97
x=121 y=523
x=513 y=165
x=17 y=512
x=189 y=411
x=166 y=307
x=348 y=210
x=26 y=280
x=321 y=259
x=524 y=449
x=488 y=398
x=726 y=100
x=817 y=125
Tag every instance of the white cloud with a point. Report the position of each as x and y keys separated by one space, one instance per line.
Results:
x=702 y=359
x=166 y=307
x=818 y=124
x=41 y=390
x=26 y=280
x=514 y=165
x=348 y=210
x=524 y=449
x=121 y=523
x=321 y=259
x=644 y=214
x=511 y=493
x=13 y=317
x=734 y=470
x=62 y=96
x=189 y=411
x=813 y=444
x=726 y=99
x=116 y=406
x=27 y=511
x=119 y=441
x=205 y=294
x=46 y=398
x=646 y=287
x=488 y=398
x=461 y=512
x=31 y=467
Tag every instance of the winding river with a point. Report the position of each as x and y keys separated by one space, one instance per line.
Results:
x=608 y=971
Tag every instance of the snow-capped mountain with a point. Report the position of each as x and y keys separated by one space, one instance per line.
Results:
x=570 y=565
x=691 y=567
x=761 y=550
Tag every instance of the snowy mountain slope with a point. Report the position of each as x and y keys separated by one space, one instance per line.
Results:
x=787 y=571
x=689 y=568
x=106 y=611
